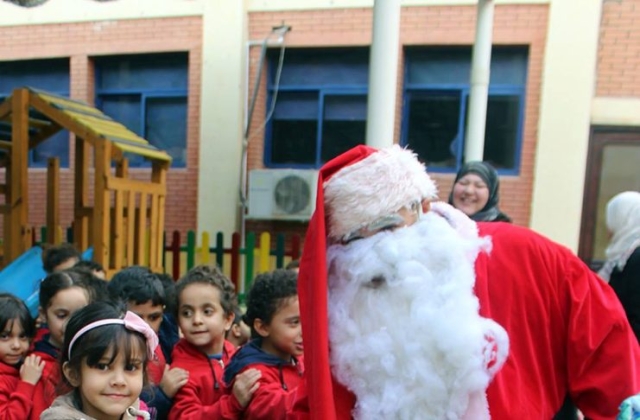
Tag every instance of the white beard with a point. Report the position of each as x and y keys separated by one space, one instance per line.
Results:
x=412 y=346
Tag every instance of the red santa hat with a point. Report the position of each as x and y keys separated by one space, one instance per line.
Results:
x=354 y=189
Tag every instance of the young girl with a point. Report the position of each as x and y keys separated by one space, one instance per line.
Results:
x=104 y=360
x=17 y=382
x=61 y=294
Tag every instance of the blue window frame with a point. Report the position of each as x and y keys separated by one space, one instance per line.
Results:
x=51 y=75
x=321 y=105
x=148 y=94
x=436 y=97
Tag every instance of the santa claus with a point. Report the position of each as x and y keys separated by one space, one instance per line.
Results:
x=405 y=304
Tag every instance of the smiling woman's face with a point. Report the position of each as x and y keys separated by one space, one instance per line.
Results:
x=470 y=194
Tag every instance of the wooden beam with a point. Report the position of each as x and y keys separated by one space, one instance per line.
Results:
x=119 y=184
x=65 y=121
x=43 y=135
x=5 y=145
x=117 y=230
x=102 y=203
x=5 y=107
x=53 y=200
x=18 y=229
x=81 y=211
x=158 y=177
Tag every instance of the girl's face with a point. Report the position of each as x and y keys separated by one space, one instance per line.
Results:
x=202 y=319
x=282 y=337
x=61 y=307
x=108 y=389
x=13 y=343
x=470 y=194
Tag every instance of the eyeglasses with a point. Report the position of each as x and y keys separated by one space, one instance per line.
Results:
x=404 y=217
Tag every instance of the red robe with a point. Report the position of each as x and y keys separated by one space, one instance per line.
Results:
x=567 y=329
x=205 y=395
x=16 y=395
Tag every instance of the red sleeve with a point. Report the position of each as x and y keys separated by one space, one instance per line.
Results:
x=602 y=352
x=567 y=330
x=45 y=390
x=187 y=404
x=15 y=401
x=270 y=401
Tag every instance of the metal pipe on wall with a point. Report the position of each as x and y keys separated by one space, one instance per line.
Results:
x=480 y=74
x=383 y=73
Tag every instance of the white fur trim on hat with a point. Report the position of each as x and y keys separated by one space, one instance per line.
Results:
x=377 y=186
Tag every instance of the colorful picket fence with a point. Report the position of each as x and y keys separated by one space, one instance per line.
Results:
x=259 y=254
x=241 y=264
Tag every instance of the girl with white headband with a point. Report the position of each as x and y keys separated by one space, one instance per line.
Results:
x=104 y=359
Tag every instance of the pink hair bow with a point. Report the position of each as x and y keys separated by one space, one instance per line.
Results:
x=131 y=322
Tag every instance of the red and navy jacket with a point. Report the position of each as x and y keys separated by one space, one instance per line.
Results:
x=205 y=395
x=16 y=395
x=273 y=398
x=50 y=384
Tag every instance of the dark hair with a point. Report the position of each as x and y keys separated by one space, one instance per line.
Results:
x=268 y=293
x=61 y=280
x=91 y=346
x=169 y=286
x=293 y=264
x=137 y=284
x=89 y=265
x=12 y=307
x=53 y=256
x=211 y=275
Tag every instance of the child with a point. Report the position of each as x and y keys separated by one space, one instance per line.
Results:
x=17 y=383
x=104 y=360
x=59 y=257
x=143 y=293
x=206 y=300
x=239 y=333
x=273 y=313
x=61 y=294
x=95 y=268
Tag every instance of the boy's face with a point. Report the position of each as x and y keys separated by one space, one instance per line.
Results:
x=239 y=334
x=282 y=337
x=150 y=313
x=201 y=318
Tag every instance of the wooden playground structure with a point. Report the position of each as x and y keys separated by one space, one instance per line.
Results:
x=125 y=215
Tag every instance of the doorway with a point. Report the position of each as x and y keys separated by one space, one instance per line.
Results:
x=613 y=166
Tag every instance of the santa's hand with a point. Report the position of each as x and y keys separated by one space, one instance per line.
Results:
x=496 y=348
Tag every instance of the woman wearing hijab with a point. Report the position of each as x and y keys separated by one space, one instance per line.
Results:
x=476 y=193
x=622 y=268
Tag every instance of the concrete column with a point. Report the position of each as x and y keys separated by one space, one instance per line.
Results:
x=221 y=113
x=568 y=84
x=383 y=73
x=480 y=73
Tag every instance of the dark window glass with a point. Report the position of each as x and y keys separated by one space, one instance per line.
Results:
x=434 y=121
x=321 y=105
x=343 y=125
x=148 y=95
x=436 y=105
x=51 y=75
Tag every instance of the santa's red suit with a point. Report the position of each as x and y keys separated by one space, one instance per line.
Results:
x=567 y=330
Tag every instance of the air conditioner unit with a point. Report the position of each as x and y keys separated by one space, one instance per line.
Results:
x=282 y=194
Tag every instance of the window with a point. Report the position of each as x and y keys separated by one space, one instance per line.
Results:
x=51 y=75
x=148 y=94
x=436 y=93
x=321 y=105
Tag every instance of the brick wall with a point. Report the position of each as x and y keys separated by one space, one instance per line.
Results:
x=619 y=49
x=442 y=25
x=80 y=42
